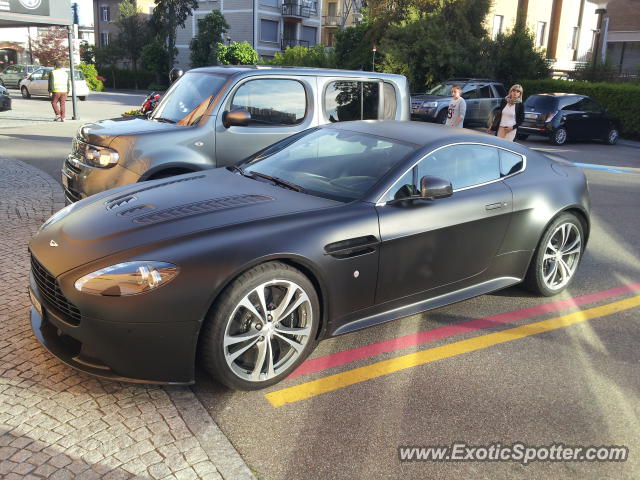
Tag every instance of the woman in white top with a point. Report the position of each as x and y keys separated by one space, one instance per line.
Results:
x=510 y=115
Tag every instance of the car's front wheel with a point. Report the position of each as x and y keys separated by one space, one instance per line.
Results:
x=261 y=328
x=557 y=256
x=442 y=116
x=612 y=136
x=25 y=92
x=82 y=98
x=559 y=136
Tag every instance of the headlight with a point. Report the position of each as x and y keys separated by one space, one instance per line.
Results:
x=101 y=157
x=60 y=214
x=430 y=104
x=127 y=278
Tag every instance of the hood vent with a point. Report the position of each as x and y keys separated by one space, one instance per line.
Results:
x=118 y=202
x=135 y=210
x=205 y=206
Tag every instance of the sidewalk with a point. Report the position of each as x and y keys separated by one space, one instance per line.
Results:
x=59 y=424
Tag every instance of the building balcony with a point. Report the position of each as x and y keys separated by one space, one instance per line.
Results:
x=331 y=21
x=296 y=9
x=293 y=42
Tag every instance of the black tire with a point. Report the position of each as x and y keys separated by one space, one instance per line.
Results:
x=522 y=136
x=82 y=98
x=559 y=136
x=442 y=116
x=612 y=136
x=540 y=277
x=25 y=92
x=229 y=320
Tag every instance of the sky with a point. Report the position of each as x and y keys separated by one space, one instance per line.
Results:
x=85 y=11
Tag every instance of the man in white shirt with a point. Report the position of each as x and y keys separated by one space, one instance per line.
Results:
x=457 y=109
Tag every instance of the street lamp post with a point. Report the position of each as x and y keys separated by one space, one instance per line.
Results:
x=373 y=61
x=600 y=11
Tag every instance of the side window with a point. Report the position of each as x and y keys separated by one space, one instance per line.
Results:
x=390 y=102
x=485 y=91
x=571 y=104
x=272 y=102
x=470 y=92
x=510 y=163
x=500 y=90
x=588 y=105
x=463 y=165
x=352 y=100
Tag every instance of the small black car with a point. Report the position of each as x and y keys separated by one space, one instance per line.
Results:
x=567 y=116
x=5 y=99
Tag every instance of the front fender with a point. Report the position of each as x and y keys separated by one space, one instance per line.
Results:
x=167 y=158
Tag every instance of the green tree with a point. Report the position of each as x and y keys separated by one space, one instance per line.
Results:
x=107 y=57
x=52 y=46
x=133 y=33
x=317 y=56
x=204 y=46
x=238 y=53
x=155 y=58
x=87 y=53
x=168 y=15
x=513 y=57
x=91 y=75
x=354 y=45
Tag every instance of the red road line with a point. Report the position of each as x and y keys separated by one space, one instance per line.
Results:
x=347 y=356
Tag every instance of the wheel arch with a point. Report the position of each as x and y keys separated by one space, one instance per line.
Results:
x=171 y=169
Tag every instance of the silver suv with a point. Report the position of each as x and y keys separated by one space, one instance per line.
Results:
x=11 y=76
x=482 y=96
x=216 y=116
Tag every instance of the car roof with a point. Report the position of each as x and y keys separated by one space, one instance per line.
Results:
x=417 y=133
x=466 y=79
x=558 y=94
x=277 y=70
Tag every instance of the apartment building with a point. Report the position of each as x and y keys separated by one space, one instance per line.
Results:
x=566 y=30
x=268 y=25
x=105 y=12
x=621 y=35
x=337 y=14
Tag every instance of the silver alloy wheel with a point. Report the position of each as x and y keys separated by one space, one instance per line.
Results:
x=613 y=136
x=561 y=256
x=268 y=330
x=560 y=136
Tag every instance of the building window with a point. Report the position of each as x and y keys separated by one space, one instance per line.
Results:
x=105 y=16
x=269 y=3
x=574 y=38
x=309 y=35
x=541 y=29
x=104 y=39
x=497 y=26
x=268 y=31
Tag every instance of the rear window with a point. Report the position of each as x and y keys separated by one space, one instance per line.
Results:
x=541 y=103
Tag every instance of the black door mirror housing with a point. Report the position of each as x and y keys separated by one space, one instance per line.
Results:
x=238 y=117
x=432 y=188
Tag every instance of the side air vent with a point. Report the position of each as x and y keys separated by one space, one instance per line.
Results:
x=205 y=206
x=135 y=210
x=118 y=202
x=352 y=247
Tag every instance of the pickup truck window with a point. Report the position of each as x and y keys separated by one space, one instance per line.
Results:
x=272 y=102
x=188 y=98
x=352 y=100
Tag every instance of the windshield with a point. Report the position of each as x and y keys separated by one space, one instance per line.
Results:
x=336 y=164
x=443 y=89
x=188 y=99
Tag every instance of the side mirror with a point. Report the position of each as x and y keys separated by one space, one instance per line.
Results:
x=432 y=188
x=237 y=117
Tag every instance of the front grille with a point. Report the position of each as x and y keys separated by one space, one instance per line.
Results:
x=416 y=104
x=71 y=166
x=52 y=295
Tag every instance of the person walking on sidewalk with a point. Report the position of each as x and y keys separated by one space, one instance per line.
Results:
x=457 y=108
x=59 y=87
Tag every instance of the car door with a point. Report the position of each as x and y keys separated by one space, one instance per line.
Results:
x=279 y=107
x=430 y=244
x=574 y=117
x=35 y=81
x=470 y=95
x=595 y=122
x=485 y=103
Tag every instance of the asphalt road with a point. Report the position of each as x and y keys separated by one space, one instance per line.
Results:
x=519 y=381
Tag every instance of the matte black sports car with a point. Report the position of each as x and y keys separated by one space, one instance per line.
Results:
x=332 y=230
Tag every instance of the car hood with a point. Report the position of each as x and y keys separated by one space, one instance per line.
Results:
x=148 y=213
x=102 y=133
x=427 y=96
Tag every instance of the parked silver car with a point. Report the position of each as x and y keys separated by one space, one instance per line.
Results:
x=37 y=83
x=11 y=76
x=216 y=116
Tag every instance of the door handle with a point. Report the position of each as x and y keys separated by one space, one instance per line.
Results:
x=495 y=206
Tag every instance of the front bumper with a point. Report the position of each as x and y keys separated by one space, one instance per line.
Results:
x=121 y=351
x=80 y=181
x=424 y=114
x=5 y=102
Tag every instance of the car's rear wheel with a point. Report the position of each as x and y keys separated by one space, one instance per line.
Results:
x=442 y=116
x=83 y=98
x=612 y=136
x=261 y=328
x=557 y=256
x=559 y=136
x=25 y=92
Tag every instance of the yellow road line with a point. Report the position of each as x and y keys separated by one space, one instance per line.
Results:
x=378 y=369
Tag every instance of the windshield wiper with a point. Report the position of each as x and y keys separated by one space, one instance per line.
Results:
x=162 y=119
x=240 y=170
x=276 y=180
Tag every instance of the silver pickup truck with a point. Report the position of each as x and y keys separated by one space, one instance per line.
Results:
x=216 y=116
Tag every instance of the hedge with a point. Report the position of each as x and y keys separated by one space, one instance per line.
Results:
x=125 y=78
x=622 y=100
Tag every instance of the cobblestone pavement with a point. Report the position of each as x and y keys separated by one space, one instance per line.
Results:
x=57 y=423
